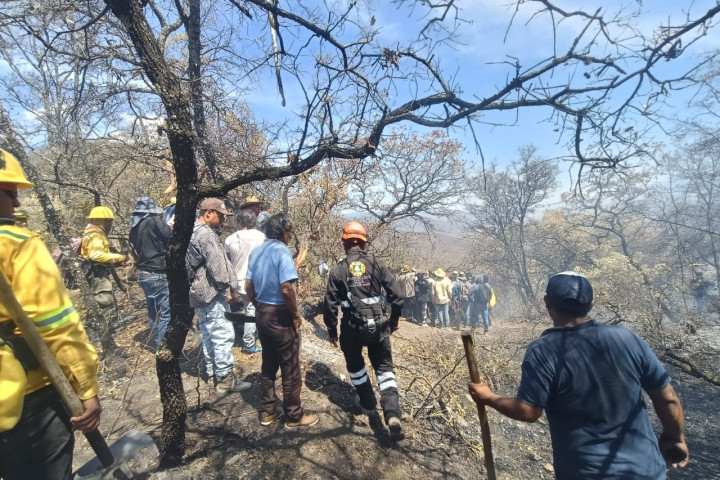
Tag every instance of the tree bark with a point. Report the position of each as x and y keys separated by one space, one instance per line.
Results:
x=181 y=138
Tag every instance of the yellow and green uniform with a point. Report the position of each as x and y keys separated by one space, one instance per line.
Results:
x=38 y=286
x=96 y=248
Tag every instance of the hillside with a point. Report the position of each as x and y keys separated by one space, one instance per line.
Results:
x=226 y=441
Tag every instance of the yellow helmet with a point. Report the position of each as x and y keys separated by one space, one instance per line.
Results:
x=11 y=171
x=101 y=213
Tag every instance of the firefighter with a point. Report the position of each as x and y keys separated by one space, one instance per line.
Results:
x=95 y=249
x=357 y=284
x=36 y=439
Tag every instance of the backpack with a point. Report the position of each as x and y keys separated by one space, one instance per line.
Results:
x=480 y=294
x=369 y=321
x=464 y=294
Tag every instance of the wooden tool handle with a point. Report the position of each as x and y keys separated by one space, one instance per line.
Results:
x=48 y=362
x=482 y=412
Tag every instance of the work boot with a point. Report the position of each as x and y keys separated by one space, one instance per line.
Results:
x=305 y=421
x=268 y=418
x=364 y=410
x=230 y=383
x=396 y=431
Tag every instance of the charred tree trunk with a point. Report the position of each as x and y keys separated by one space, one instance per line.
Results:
x=179 y=129
x=96 y=323
x=192 y=24
x=180 y=136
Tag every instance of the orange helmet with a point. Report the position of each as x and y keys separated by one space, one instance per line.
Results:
x=354 y=230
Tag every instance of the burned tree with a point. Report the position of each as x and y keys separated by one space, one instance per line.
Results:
x=346 y=84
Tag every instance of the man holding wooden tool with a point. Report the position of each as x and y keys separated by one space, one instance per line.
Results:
x=37 y=441
x=589 y=378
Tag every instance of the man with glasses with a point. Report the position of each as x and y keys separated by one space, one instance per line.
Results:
x=213 y=285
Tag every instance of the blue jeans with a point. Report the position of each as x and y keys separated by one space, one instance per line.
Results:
x=249 y=329
x=476 y=311
x=218 y=336
x=443 y=314
x=156 y=291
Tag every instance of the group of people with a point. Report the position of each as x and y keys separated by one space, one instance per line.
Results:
x=257 y=269
x=447 y=299
x=587 y=376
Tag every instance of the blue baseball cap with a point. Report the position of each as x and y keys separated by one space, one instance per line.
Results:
x=570 y=293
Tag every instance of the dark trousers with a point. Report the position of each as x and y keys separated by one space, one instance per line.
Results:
x=408 y=308
x=432 y=314
x=281 y=349
x=40 y=446
x=380 y=355
x=420 y=311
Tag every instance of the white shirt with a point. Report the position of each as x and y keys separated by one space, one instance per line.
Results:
x=238 y=247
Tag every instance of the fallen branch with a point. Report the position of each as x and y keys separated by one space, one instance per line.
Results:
x=687 y=367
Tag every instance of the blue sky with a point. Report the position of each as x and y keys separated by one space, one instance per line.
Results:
x=476 y=63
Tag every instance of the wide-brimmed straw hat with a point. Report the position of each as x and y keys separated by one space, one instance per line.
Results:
x=251 y=200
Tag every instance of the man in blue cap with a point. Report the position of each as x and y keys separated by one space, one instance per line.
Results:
x=149 y=237
x=588 y=377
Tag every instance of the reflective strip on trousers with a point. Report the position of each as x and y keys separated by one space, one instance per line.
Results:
x=359 y=377
x=386 y=380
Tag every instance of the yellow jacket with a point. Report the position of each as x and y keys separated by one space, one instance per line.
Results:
x=95 y=246
x=38 y=286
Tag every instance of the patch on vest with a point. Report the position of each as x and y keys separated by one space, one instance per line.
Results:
x=357 y=269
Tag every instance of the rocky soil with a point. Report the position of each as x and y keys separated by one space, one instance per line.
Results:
x=226 y=441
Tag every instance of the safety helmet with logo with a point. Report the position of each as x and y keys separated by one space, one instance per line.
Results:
x=11 y=171
x=101 y=213
x=354 y=230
